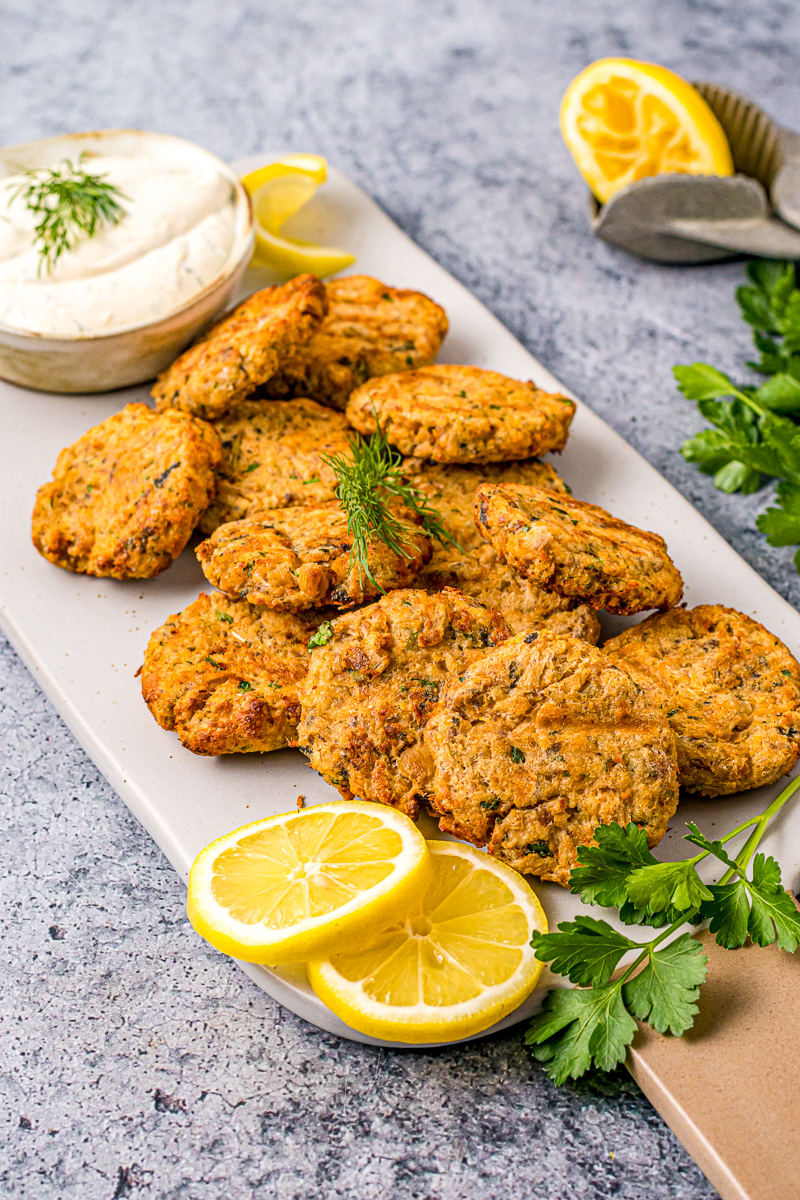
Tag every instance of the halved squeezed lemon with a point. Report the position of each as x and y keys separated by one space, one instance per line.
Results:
x=285 y=888
x=277 y=191
x=624 y=120
x=448 y=967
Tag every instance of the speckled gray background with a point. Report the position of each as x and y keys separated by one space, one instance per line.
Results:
x=134 y=1060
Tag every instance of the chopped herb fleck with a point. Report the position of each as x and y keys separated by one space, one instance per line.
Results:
x=540 y=848
x=321 y=637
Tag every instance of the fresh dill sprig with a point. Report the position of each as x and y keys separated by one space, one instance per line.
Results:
x=69 y=203
x=366 y=483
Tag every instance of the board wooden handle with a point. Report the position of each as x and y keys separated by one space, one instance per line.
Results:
x=730 y=1088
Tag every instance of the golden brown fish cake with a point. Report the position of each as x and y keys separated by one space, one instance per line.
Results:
x=478 y=571
x=125 y=497
x=243 y=350
x=225 y=676
x=541 y=741
x=462 y=414
x=730 y=691
x=371 y=687
x=576 y=549
x=272 y=458
x=297 y=558
x=371 y=329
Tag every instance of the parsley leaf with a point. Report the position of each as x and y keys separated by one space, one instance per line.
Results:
x=702 y=382
x=604 y=869
x=772 y=906
x=577 y=1028
x=665 y=992
x=780 y=524
x=585 y=950
x=756 y=430
x=665 y=885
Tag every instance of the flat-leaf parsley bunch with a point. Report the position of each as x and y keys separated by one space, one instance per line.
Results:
x=756 y=432
x=593 y=1023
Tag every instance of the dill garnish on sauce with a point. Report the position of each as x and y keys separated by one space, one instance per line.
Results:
x=69 y=203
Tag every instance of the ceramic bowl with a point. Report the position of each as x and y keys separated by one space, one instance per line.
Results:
x=102 y=362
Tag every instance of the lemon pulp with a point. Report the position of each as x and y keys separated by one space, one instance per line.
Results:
x=624 y=120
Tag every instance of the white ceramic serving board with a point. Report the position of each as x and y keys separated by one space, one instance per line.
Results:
x=84 y=638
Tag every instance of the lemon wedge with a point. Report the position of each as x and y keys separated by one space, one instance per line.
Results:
x=449 y=967
x=277 y=191
x=623 y=120
x=294 y=885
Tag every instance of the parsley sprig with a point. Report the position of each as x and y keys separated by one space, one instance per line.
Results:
x=756 y=432
x=367 y=481
x=593 y=1024
x=69 y=203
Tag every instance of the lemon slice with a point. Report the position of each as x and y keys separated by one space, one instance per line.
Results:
x=623 y=120
x=277 y=191
x=290 y=886
x=450 y=967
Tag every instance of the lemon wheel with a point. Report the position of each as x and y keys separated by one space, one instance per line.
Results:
x=294 y=885
x=455 y=963
x=623 y=120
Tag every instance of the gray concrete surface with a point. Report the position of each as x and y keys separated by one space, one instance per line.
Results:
x=134 y=1060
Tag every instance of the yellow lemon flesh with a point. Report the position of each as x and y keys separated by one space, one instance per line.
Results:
x=295 y=885
x=623 y=120
x=277 y=191
x=449 y=967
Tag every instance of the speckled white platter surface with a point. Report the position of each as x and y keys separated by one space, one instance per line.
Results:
x=83 y=638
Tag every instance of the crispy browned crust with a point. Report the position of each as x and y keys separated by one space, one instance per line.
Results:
x=225 y=675
x=370 y=690
x=729 y=688
x=476 y=569
x=126 y=496
x=272 y=458
x=243 y=350
x=297 y=558
x=577 y=549
x=371 y=329
x=539 y=742
x=462 y=414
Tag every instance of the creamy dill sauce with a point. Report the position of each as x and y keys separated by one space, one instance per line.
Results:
x=174 y=239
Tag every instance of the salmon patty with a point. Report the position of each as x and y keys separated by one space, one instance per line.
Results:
x=272 y=458
x=371 y=329
x=225 y=676
x=462 y=414
x=576 y=549
x=372 y=684
x=476 y=569
x=730 y=691
x=125 y=497
x=243 y=350
x=541 y=741
x=297 y=558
